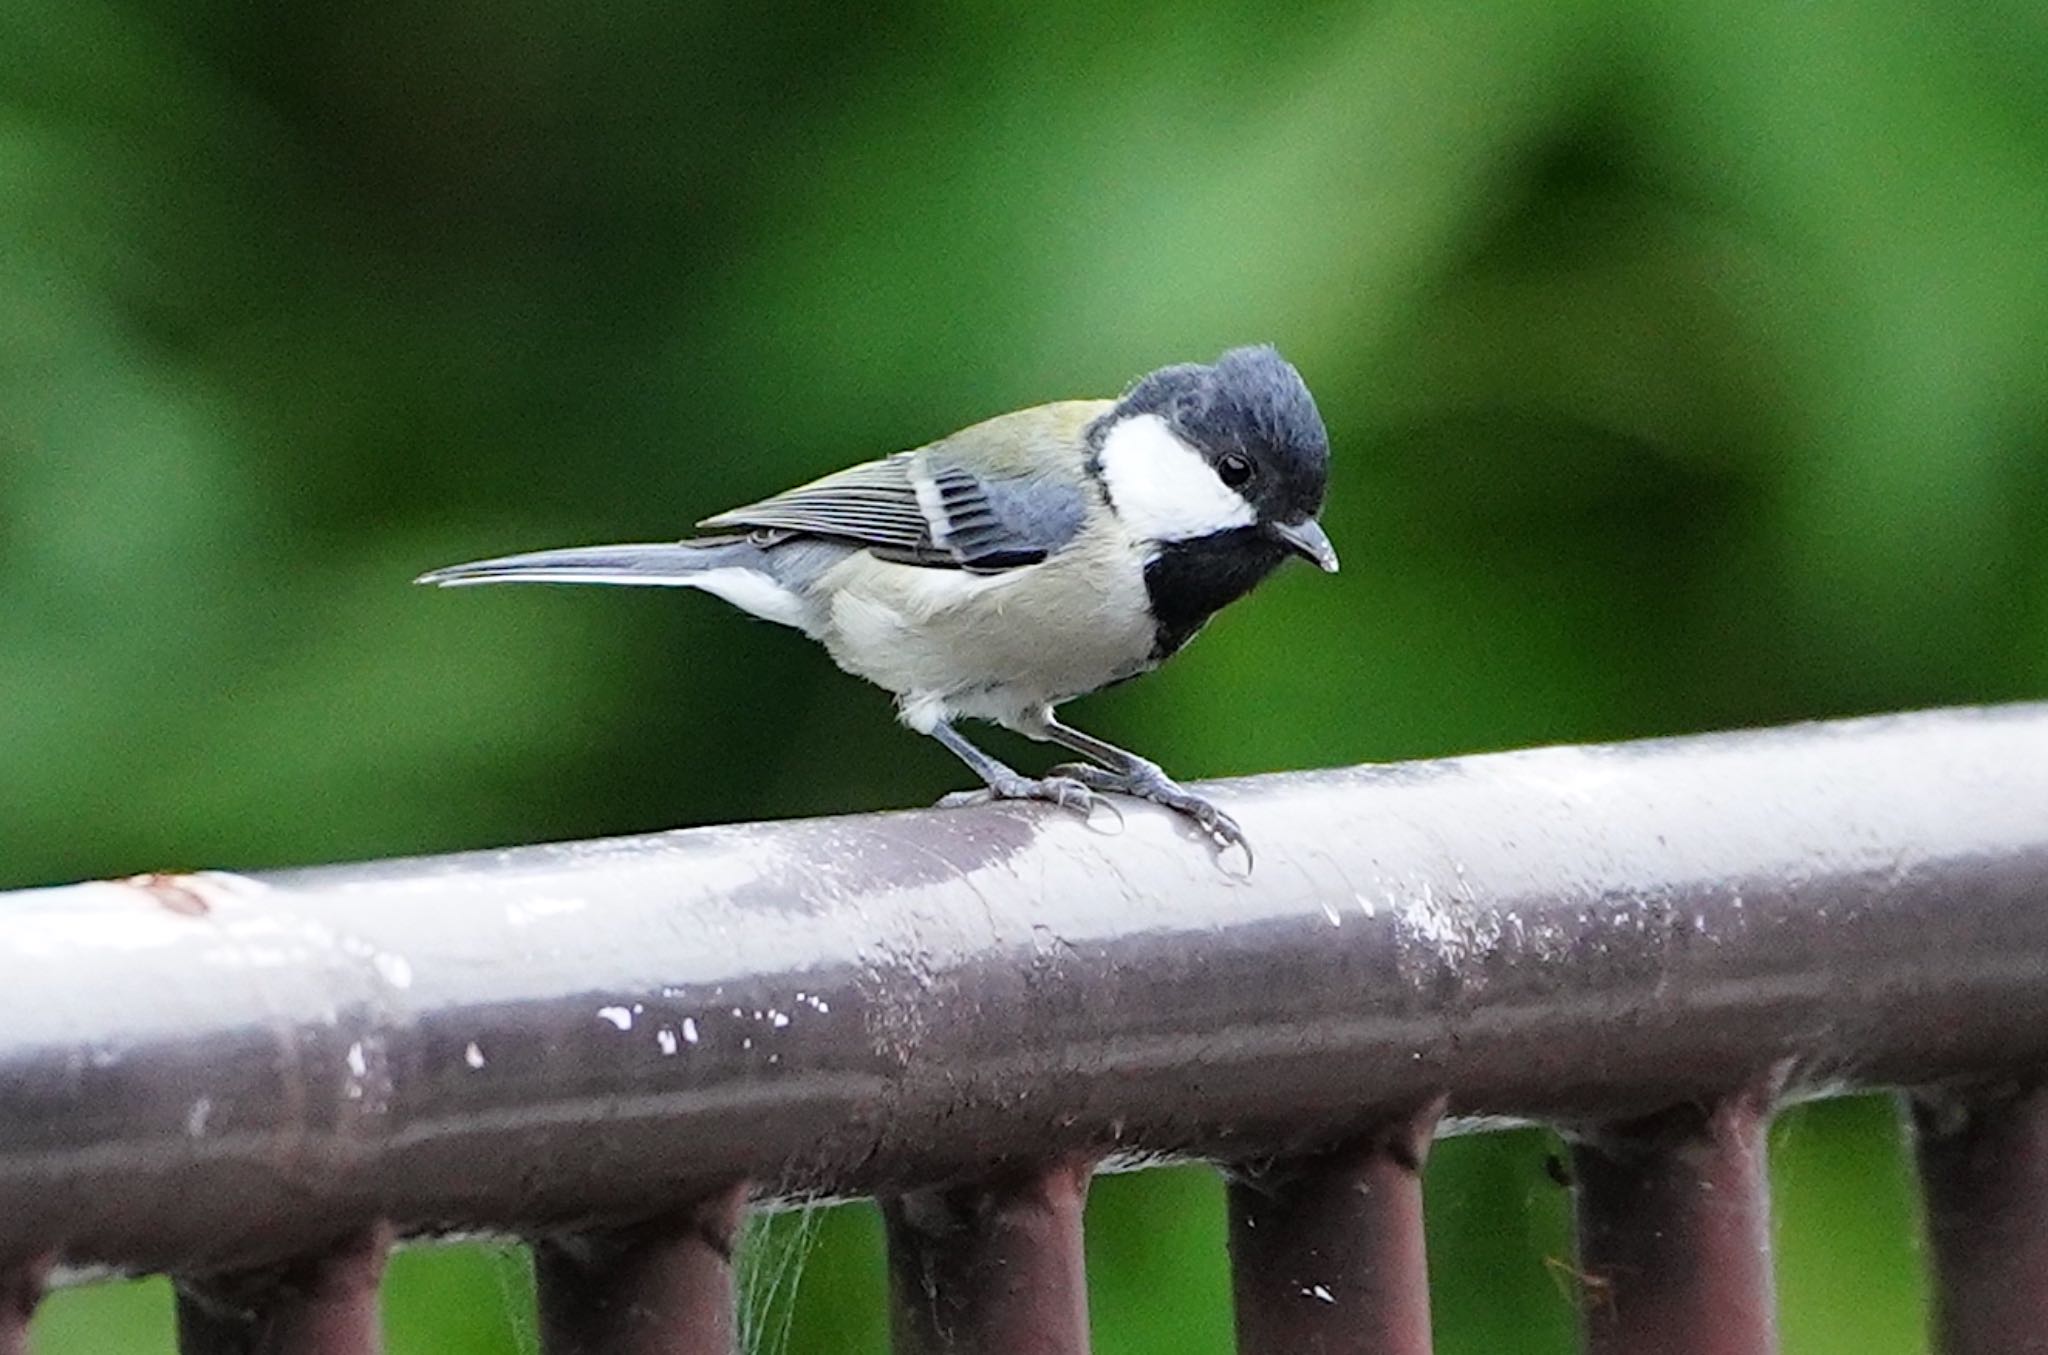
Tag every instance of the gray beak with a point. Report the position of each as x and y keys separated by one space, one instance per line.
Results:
x=1307 y=539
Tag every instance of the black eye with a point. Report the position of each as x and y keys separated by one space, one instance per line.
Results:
x=1234 y=468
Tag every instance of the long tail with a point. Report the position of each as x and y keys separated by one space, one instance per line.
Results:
x=736 y=570
x=668 y=564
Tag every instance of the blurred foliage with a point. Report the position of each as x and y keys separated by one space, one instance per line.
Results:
x=1684 y=364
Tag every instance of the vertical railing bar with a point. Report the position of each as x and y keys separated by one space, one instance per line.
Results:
x=1983 y=1158
x=21 y=1289
x=322 y=1304
x=1327 y=1252
x=664 y=1287
x=1674 y=1230
x=994 y=1268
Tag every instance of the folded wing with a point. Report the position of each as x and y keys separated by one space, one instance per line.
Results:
x=923 y=508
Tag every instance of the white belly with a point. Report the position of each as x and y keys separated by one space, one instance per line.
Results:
x=989 y=646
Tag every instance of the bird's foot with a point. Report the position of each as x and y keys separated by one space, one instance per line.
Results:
x=1065 y=791
x=1150 y=783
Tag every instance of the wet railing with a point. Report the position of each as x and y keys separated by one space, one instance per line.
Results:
x=614 y=1049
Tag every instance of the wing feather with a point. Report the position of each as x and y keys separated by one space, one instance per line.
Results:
x=922 y=507
x=874 y=502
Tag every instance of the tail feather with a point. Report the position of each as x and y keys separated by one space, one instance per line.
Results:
x=668 y=564
x=733 y=569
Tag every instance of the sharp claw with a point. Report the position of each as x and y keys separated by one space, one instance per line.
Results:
x=1082 y=787
x=1224 y=831
x=1161 y=790
x=1115 y=814
x=1068 y=793
x=1220 y=826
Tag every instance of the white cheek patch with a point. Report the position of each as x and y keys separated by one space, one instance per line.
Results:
x=1162 y=488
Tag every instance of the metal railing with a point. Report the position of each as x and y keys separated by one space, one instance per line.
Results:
x=615 y=1048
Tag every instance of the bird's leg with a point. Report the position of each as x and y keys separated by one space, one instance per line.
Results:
x=1004 y=783
x=1126 y=773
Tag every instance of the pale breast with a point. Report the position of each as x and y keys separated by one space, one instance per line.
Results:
x=991 y=644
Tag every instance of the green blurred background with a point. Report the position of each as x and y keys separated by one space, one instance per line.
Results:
x=1685 y=366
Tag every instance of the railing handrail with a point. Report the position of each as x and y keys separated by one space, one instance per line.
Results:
x=214 y=1070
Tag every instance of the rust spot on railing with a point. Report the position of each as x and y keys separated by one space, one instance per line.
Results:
x=177 y=893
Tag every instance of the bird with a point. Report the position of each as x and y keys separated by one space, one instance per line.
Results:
x=1021 y=562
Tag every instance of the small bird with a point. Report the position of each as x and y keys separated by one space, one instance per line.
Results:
x=1020 y=562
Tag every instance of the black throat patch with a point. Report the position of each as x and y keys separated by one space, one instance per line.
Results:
x=1190 y=581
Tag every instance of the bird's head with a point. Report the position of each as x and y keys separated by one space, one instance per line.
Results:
x=1231 y=452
